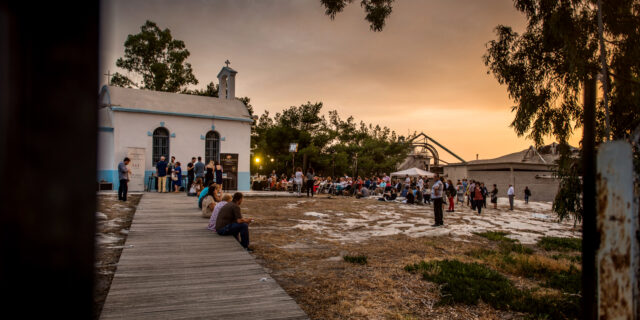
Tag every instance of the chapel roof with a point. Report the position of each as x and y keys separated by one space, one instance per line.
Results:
x=132 y=100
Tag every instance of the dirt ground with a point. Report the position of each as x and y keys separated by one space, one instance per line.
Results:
x=301 y=243
x=113 y=221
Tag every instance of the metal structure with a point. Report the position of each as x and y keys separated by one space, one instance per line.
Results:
x=424 y=150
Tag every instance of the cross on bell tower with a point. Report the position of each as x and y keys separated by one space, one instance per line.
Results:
x=227 y=63
x=227 y=82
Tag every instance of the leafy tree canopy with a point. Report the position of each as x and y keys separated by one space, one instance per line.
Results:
x=157 y=58
x=330 y=146
x=377 y=10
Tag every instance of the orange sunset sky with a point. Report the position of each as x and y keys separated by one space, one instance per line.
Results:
x=423 y=72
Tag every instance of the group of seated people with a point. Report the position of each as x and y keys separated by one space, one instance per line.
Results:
x=222 y=210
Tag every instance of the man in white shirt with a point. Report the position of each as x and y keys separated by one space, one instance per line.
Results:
x=420 y=184
x=511 y=193
x=436 y=195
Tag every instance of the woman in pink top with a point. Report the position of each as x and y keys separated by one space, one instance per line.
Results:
x=214 y=215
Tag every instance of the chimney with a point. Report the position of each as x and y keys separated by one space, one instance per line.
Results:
x=477 y=156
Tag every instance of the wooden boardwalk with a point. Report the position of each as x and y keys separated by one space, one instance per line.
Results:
x=177 y=269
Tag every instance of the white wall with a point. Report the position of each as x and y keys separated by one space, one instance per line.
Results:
x=131 y=130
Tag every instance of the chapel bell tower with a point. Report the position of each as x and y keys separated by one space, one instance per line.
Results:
x=227 y=82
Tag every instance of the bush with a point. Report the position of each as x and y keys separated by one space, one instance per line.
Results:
x=560 y=244
x=514 y=247
x=361 y=259
x=574 y=259
x=469 y=283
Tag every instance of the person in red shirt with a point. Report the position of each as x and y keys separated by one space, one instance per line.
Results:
x=478 y=198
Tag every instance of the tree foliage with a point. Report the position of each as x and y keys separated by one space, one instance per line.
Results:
x=544 y=69
x=157 y=58
x=377 y=10
x=331 y=145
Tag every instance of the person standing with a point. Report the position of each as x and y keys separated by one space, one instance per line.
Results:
x=231 y=223
x=460 y=193
x=161 y=172
x=198 y=169
x=218 y=173
x=208 y=176
x=177 y=173
x=436 y=196
x=170 y=166
x=123 y=176
x=527 y=194
x=310 y=181
x=511 y=193
x=494 y=196
x=190 y=173
x=477 y=197
x=298 y=180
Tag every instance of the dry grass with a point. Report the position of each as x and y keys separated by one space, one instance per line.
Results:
x=310 y=267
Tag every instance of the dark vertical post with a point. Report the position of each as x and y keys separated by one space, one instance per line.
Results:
x=48 y=125
x=590 y=239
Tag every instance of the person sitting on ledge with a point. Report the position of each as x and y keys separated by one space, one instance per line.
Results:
x=216 y=211
x=209 y=202
x=204 y=193
x=231 y=223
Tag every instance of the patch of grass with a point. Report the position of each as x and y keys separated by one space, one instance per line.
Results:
x=574 y=259
x=360 y=259
x=507 y=247
x=568 y=281
x=495 y=236
x=469 y=283
x=480 y=253
x=560 y=244
x=530 y=266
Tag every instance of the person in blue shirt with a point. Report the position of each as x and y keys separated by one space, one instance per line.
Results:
x=123 y=176
x=204 y=192
x=161 y=170
x=177 y=170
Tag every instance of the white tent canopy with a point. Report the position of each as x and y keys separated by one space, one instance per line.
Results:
x=413 y=172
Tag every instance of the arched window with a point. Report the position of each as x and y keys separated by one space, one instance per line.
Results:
x=212 y=147
x=160 y=144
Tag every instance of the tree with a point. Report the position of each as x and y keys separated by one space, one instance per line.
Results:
x=377 y=10
x=544 y=68
x=211 y=90
x=157 y=58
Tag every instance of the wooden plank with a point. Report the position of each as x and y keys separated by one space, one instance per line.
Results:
x=177 y=269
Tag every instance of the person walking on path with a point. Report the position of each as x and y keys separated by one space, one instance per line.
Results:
x=161 y=172
x=527 y=194
x=231 y=223
x=198 y=169
x=494 y=196
x=190 y=173
x=123 y=176
x=478 y=198
x=177 y=177
x=436 y=196
x=310 y=181
x=511 y=193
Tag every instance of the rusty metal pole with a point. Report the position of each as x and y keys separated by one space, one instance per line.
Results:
x=590 y=239
x=617 y=222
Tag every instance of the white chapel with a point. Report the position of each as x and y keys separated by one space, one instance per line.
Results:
x=145 y=125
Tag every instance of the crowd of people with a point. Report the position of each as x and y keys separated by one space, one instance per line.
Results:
x=411 y=190
x=224 y=214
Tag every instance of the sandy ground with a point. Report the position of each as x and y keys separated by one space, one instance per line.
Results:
x=301 y=242
x=113 y=221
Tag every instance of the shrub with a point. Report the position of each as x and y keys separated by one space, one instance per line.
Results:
x=568 y=281
x=360 y=259
x=469 y=283
x=574 y=259
x=560 y=244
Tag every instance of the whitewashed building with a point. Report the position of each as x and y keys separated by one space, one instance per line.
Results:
x=145 y=124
